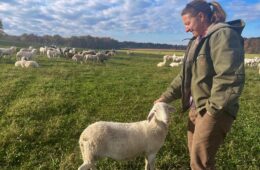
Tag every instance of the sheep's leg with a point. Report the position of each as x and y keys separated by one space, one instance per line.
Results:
x=149 y=162
x=87 y=166
x=87 y=158
x=146 y=164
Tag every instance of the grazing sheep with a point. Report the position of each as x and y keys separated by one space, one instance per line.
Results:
x=90 y=57
x=73 y=50
x=26 y=54
x=92 y=52
x=30 y=49
x=102 y=56
x=26 y=64
x=19 y=63
x=167 y=57
x=174 y=64
x=160 y=64
x=121 y=141
x=7 y=51
x=31 y=64
x=98 y=57
x=78 y=57
x=43 y=50
x=252 y=62
x=52 y=53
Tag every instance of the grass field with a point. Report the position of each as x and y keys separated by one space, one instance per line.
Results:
x=44 y=110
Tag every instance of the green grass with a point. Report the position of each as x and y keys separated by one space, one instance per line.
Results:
x=154 y=51
x=162 y=52
x=44 y=110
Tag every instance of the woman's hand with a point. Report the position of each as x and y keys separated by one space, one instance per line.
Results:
x=161 y=99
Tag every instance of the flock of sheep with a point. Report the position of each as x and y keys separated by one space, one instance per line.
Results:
x=253 y=62
x=25 y=55
x=176 y=60
x=80 y=56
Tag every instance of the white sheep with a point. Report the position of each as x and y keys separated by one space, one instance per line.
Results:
x=102 y=56
x=167 y=57
x=19 y=63
x=121 y=141
x=26 y=54
x=52 y=53
x=98 y=57
x=174 y=64
x=178 y=59
x=43 y=50
x=160 y=64
x=78 y=57
x=7 y=51
x=26 y=64
x=31 y=64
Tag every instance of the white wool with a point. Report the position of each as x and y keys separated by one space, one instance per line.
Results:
x=121 y=141
x=77 y=57
x=26 y=54
x=26 y=64
x=160 y=64
x=52 y=53
x=31 y=64
x=19 y=64
x=174 y=64
x=7 y=51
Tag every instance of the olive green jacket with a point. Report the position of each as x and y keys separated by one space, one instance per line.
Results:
x=215 y=75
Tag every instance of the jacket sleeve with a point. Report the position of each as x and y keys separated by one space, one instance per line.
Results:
x=173 y=91
x=227 y=54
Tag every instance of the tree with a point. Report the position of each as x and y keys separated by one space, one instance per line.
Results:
x=1 y=25
x=1 y=28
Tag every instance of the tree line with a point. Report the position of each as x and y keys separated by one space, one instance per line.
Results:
x=251 y=45
x=88 y=41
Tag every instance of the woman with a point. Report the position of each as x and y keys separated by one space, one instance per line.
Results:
x=211 y=80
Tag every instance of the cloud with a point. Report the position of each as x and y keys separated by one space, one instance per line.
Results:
x=243 y=10
x=95 y=15
x=104 y=17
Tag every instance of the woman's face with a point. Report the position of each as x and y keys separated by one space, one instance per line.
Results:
x=197 y=25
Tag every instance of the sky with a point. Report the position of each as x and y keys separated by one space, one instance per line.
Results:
x=155 y=21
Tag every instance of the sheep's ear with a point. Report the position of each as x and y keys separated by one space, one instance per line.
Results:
x=171 y=109
x=151 y=114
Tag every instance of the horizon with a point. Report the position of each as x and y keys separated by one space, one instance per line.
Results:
x=143 y=21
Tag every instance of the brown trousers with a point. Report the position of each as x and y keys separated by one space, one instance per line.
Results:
x=205 y=135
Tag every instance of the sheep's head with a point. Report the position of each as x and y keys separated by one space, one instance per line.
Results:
x=161 y=112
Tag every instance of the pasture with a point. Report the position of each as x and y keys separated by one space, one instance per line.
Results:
x=44 y=110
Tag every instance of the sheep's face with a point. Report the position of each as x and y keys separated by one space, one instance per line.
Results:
x=161 y=112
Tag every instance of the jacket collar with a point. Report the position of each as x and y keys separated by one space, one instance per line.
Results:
x=237 y=25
